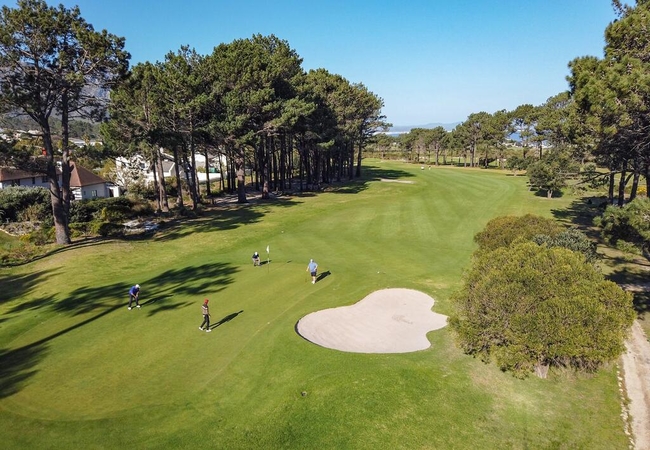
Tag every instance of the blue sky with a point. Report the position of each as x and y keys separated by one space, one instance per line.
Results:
x=429 y=60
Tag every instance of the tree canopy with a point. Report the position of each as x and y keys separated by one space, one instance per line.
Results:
x=532 y=307
x=54 y=62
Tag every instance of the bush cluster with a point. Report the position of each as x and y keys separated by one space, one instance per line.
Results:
x=25 y=204
x=630 y=224
x=533 y=299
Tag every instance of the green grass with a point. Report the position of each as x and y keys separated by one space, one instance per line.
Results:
x=78 y=370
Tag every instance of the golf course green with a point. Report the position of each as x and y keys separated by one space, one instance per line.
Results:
x=80 y=371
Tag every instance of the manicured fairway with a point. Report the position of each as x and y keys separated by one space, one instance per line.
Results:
x=78 y=370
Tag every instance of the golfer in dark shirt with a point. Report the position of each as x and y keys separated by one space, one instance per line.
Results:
x=134 y=294
x=206 y=316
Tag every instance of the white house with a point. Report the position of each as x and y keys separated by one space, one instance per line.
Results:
x=86 y=185
x=83 y=183
x=13 y=177
x=135 y=167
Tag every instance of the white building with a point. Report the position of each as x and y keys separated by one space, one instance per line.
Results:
x=83 y=183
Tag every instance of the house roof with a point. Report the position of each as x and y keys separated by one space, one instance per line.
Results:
x=8 y=174
x=83 y=177
x=78 y=178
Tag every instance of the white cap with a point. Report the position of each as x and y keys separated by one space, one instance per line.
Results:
x=138 y=286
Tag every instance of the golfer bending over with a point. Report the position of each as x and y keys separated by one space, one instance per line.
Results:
x=134 y=294
x=312 y=268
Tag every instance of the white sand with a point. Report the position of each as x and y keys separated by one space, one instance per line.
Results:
x=386 y=321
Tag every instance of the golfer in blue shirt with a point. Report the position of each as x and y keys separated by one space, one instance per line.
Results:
x=134 y=294
x=312 y=268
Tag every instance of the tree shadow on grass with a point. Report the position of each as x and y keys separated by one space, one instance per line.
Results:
x=223 y=218
x=186 y=281
x=226 y=319
x=18 y=366
x=580 y=213
x=16 y=286
x=368 y=174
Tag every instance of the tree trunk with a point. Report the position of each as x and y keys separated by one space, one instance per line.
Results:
x=264 y=165
x=194 y=185
x=621 y=184
x=156 y=185
x=187 y=170
x=358 y=173
x=162 y=187
x=207 y=173
x=610 y=190
x=66 y=168
x=61 y=230
x=636 y=173
x=241 y=177
x=179 y=185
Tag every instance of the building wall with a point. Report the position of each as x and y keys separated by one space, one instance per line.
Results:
x=36 y=181
x=91 y=191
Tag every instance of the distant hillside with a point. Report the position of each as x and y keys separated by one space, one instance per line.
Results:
x=407 y=128
x=79 y=128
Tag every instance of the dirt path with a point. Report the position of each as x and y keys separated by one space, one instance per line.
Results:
x=636 y=369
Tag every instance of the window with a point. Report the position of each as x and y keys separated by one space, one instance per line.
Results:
x=15 y=182
x=93 y=193
x=33 y=180
x=44 y=179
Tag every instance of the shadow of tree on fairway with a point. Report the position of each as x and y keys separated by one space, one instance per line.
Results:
x=368 y=174
x=227 y=217
x=192 y=280
x=16 y=286
x=19 y=365
x=33 y=304
x=228 y=318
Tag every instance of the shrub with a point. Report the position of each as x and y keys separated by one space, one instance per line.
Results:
x=40 y=236
x=142 y=190
x=106 y=229
x=14 y=200
x=20 y=254
x=572 y=239
x=503 y=231
x=114 y=213
x=531 y=308
x=80 y=229
x=36 y=212
x=88 y=210
x=631 y=223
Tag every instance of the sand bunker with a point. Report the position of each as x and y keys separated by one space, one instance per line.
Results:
x=386 y=321
x=390 y=180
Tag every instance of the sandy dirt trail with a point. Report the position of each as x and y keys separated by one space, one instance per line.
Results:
x=636 y=369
